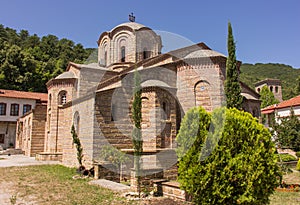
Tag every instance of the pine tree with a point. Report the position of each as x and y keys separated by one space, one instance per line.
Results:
x=136 y=133
x=234 y=98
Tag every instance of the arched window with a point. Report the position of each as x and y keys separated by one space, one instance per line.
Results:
x=276 y=89
x=50 y=100
x=271 y=88
x=62 y=97
x=105 y=58
x=76 y=122
x=146 y=54
x=114 y=113
x=49 y=122
x=258 y=90
x=202 y=95
x=123 y=53
x=166 y=110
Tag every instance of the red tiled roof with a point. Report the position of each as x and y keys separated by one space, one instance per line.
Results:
x=24 y=95
x=295 y=101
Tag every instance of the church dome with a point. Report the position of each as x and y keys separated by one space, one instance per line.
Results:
x=133 y=25
x=126 y=44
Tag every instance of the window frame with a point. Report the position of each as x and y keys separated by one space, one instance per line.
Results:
x=26 y=106
x=3 y=111
x=62 y=97
x=14 y=109
x=123 y=54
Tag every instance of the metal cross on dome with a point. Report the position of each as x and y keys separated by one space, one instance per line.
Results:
x=131 y=17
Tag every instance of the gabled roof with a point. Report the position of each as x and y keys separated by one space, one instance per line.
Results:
x=295 y=101
x=23 y=95
x=268 y=81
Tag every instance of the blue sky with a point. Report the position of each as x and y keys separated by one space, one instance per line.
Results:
x=264 y=30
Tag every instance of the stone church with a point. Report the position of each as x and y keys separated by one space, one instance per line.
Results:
x=96 y=98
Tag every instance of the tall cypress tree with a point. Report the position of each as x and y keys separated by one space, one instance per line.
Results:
x=234 y=99
x=136 y=132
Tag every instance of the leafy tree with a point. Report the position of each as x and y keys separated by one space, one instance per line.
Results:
x=232 y=85
x=232 y=159
x=288 y=131
x=267 y=97
x=27 y=62
x=298 y=86
x=136 y=132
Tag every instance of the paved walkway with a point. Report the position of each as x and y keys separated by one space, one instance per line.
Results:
x=114 y=186
x=21 y=160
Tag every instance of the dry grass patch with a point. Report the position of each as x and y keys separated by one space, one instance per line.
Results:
x=292 y=178
x=285 y=198
x=53 y=184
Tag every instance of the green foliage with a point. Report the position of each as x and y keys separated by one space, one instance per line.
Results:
x=77 y=142
x=252 y=73
x=298 y=154
x=288 y=131
x=194 y=124
x=233 y=90
x=113 y=155
x=136 y=132
x=28 y=62
x=298 y=165
x=267 y=97
x=286 y=157
x=241 y=168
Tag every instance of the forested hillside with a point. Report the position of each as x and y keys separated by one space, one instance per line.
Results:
x=27 y=61
x=250 y=74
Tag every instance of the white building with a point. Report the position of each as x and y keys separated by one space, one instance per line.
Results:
x=14 y=104
x=282 y=109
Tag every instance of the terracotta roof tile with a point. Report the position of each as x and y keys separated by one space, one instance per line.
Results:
x=24 y=95
x=295 y=101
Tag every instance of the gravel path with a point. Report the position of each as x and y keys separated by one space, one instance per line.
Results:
x=21 y=160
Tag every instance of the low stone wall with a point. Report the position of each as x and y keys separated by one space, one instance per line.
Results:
x=148 y=176
x=48 y=157
x=106 y=171
x=171 y=190
x=11 y=152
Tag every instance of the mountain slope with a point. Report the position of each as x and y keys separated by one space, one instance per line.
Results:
x=250 y=74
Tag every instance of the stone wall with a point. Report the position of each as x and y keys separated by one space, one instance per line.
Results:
x=200 y=82
x=55 y=119
x=30 y=131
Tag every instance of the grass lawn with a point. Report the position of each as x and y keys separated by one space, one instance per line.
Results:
x=53 y=184
x=285 y=198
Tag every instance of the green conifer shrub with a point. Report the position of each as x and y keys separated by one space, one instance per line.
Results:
x=232 y=159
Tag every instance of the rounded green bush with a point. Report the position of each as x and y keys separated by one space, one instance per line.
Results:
x=298 y=165
x=229 y=158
